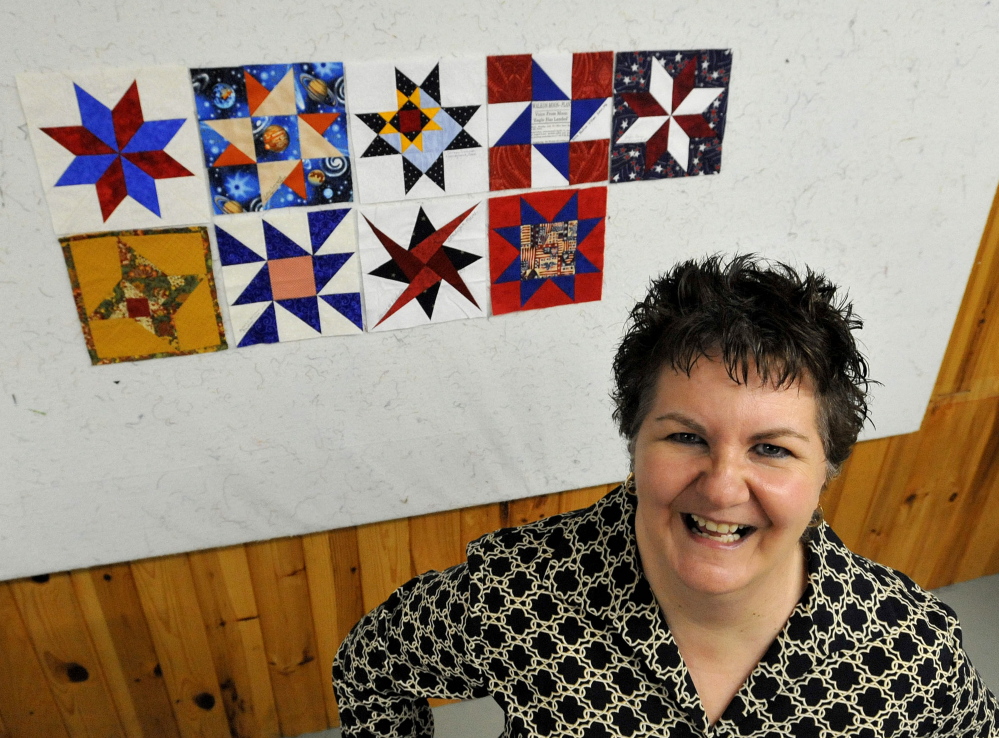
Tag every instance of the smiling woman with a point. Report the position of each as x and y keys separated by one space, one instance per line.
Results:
x=705 y=596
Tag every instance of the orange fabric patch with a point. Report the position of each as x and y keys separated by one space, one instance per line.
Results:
x=291 y=278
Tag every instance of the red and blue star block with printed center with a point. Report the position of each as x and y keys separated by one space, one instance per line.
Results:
x=546 y=248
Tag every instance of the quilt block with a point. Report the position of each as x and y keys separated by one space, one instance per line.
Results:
x=274 y=135
x=546 y=248
x=549 y=119
x=669 y=113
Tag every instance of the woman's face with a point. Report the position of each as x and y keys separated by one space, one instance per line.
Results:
x=745 y=458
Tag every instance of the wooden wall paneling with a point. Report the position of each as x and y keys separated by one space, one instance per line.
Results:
x=4 y=733
x=282 y=592
x=321 y=576
x=169 y=600
x=59 y=633
x=229 y=613
x=577 y=499
x=132 y=650
x=26 y=702
x=847 y=503
x=347 y=575
x=385 y=559
x=531 y=509
x=481 y=519
x=435 y=541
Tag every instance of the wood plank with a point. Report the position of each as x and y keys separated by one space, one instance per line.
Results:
x=856 y=490
x=482 y=519
x=26 y=701
x=530 y=509
x=281 y=586
x=323 y=598
x=131 y=644
x=386 y=563
x=435 y=541
x=170 y=602
x=59 y=633
x=229 y=612
x=577 y=499
x=347 y=580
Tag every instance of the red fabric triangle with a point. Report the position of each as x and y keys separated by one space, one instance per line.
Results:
x=296 y=181
x=548 y=295
x=256 y=93
x=319 y=121
x=548 y=204
x=232 y=157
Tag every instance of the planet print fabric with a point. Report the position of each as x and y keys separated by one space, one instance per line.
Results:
x=423 y=263
x=546 y=248
x=273 y=135
x=290 y=275
x=419 y=128
x=549 y=119
x=669 y=113
x=145 y=294
x=116 y=148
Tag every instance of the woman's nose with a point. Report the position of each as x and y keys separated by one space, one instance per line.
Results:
x=724 y=481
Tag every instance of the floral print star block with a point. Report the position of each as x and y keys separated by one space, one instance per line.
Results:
x=116 y=148
x=669 y=113
x=145 y=294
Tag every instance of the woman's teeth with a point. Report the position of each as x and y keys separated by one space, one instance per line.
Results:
x=723 y=532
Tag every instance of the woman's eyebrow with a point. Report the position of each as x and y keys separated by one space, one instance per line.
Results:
x=767 y=435
x=683 y=420
x=779 y=433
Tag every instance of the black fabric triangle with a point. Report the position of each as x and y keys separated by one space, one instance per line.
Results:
x=460 y=259
x=410 y=174
x=462 y=114
x=432 y=84
x=422 y=230
x=390 y=270
x=404 y=84
x=462 y=141
x=379 y=147
x=436 y=172
x=373 y=121
x=428 y=298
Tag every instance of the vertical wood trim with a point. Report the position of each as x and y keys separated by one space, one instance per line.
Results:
x=386 y=563
x=323 y=603
x=577 y=499
x=482 y=519
x=435 y=541
x=532 y=509
x=347 y=578
x=857 y=491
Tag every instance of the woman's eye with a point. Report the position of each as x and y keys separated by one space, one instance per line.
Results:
x=688 y=439
x=771 y=451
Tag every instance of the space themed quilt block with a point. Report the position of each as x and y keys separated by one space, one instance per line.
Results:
x=546 y=248
x=669 y=113
x=273 y=135
x=145 y=294
x=419 y=128
x=423 y=263
x=116 y=148
x=549 y=119
x=290 y=275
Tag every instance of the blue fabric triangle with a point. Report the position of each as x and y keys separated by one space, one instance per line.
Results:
x=567 y=284
x=527 y=289
x=258 y=290
x=279 y=246
x=557 y=154
x=542 y=86
x=519 y=131
x=154 y=135
x=582 y=111
x=264 y=330
x=140 y=186
x=569 y=211
x=584 y=227
x=529 y=216
x=233 y=251
x=510 y=234
x=305 y=309
x=322 y=223
x=86 y=169
x=325 y=266
x=511 y=273
x=584 y=265
x=96 y=117
x=348 y=304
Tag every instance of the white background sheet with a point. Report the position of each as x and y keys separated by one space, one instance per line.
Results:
x=861 y=139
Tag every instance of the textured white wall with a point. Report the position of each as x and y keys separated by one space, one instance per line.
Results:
x=860 y=140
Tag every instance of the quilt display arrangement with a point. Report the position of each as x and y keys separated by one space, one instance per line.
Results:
x=144 y=168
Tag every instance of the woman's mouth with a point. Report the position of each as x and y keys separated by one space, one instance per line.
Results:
x=721 y=532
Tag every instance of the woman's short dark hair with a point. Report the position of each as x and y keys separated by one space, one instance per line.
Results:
x=753 y=314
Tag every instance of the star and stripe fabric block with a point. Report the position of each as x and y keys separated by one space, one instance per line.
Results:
x=669 y=113
x=144 y=294
x=546 y=248
x=423 y=262
x=116 y=148
x=549 y=119
x=290 y=275
x=419 y=128
x=273 y=135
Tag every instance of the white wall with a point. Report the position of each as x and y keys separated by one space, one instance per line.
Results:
x=860 y=140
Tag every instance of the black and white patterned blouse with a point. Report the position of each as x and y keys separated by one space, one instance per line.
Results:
x=556 y=621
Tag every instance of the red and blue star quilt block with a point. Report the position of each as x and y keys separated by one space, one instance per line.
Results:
x=669 y=113
x=549 y=119
x=546 y=248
